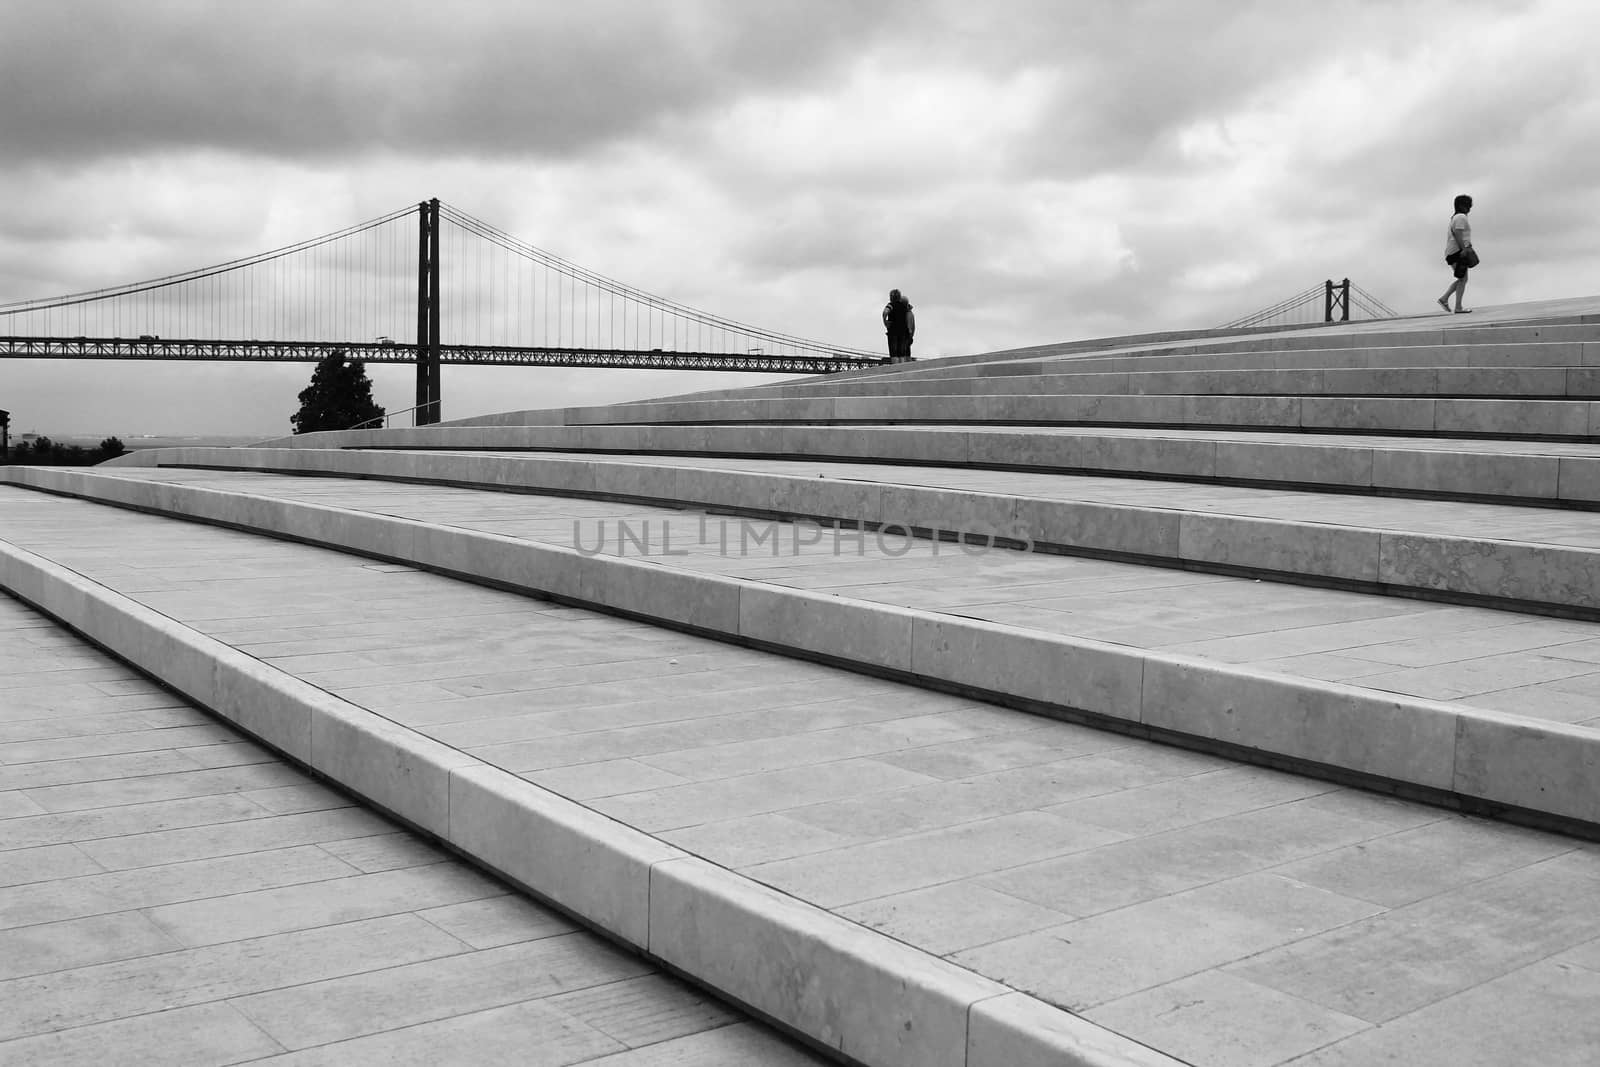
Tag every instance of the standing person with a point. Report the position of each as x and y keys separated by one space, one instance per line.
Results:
x=1457 y=246
x=901 y=326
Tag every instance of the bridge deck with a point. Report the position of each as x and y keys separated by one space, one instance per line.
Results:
x=1225 y=914
x=170 y=893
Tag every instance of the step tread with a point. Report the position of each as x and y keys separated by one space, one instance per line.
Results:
x=1039 y=853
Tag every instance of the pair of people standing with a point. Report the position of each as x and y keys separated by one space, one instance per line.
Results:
x=1459 y=254
x=901 y=326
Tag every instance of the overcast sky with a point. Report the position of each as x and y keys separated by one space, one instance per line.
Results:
x=1026 y=172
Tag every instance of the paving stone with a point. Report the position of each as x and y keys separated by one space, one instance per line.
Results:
x=1168 y=805
x=1129 y=872
x=1098 y=959
x=954 y=916
x=164 y=786
x=754 y=794
x=36 y=778
x=644 y=1011
x=1216 y=1020
x=104 y=744
x=63 y=946
x=57 y=828
x=1415 y=864
x=490 y=922
x=81 y=725
x=1536 y=1014
x=293 y=799
x=95 y=894
x=324 y=903
x=530 y=1033
x=45 y=863
x=336 y=1010
x=384 y=852
x=586 y=781
x=195 y=976
x=1393 y=963
x=204 y=842
x=14 y=804
x=202 y=1035
x=743 y=842
x=931 y=806
x=863 y=872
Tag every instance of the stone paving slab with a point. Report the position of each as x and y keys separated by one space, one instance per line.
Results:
x=1222 y=913
x=217 y=930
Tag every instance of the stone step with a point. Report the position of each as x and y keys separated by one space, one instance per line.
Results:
x=1195 y=693
x=1417 y=381
x=1527 y=472
x=1468 y=363
x=1484 y=347
x=869 y=999
x=1528 y=558
x=1522 y=419
x=1553 y=370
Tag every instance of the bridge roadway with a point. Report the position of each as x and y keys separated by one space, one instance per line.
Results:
x=160 y=348
x=173 y=894
x=1228 y=915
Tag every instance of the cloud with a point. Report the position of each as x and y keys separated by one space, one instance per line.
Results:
x=307 y=80
x=1027 y=171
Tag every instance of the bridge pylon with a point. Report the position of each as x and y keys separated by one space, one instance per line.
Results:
x=428 y=390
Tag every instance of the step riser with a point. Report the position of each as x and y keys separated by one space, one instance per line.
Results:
x=1480 y=358
x=1417 y=382
x=1330 y=350
x=1547 y=480
x=1550 y=419
x=623 y=882
x=1478 y=760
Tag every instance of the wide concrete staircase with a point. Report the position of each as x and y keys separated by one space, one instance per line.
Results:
x=1364 y=553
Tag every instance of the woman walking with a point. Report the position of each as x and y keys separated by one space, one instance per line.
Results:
x=1458 y=254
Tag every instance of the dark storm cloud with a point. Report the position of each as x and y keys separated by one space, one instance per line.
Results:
x=312 y=79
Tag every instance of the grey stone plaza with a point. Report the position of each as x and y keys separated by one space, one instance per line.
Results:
x=1225 y=700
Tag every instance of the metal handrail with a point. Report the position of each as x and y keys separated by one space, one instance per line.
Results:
x=386 y=416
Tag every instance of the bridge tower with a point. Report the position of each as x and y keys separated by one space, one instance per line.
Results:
x=428 y=392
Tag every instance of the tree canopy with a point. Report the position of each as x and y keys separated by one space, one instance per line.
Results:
x=338 y=398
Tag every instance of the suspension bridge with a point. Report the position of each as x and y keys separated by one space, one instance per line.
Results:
x=410 y=273
x=1329 y=302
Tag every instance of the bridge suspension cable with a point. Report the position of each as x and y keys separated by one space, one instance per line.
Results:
x=50 y=303
x=674 y=325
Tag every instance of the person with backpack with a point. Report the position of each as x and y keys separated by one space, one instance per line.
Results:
x=1459 y=254
x=901 y=326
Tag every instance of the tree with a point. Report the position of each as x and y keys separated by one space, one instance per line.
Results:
x=339 y=396
x=111 y=448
